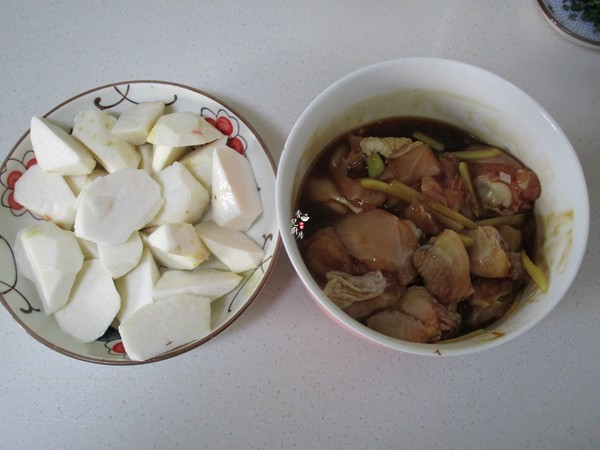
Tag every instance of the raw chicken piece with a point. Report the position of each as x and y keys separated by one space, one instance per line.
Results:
x=422 y=217
x=363 y=309
x=345 y=289
x=324 y=191
x=411 y=167
x=451 y=197
x=507 y=198
x=502 y=162
x=432 y=189
x=444 y=266
x=517 y=269
x=417 y=317
x=325 y=252
x=504 y=185
x=389 y=147
x=355 y=160
x=488 y=301
x=381 y=241
x=449 y=176
x=351 y=188
x=512 y=236
x=488 y=254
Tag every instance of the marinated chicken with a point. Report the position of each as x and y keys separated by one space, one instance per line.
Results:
x=488 y=254
x=381 y=241
x=444 y=266
x=418 y=244
x=417 y=316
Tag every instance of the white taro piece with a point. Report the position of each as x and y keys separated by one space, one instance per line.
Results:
x=57 y=151
x=92 y=127
x=163 y=156
x=93 y=304
x=135 y=123
x=119 y=259
x=235 y=200
x=177 y=246
x=111 y=208
x=150 y=331
x=51 y=258
x=185 y=199
x=199 y=161
x=233 y=248
x=211 y=283
x=46 y=195
x=182 y=129
x=136 y=286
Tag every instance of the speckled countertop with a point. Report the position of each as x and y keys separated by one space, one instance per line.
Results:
x=284 y=375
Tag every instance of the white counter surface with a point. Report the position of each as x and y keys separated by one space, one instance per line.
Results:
x=284 y=375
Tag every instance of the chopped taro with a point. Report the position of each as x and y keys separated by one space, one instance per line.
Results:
x=128 y=239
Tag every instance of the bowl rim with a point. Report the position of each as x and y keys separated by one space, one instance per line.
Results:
x=185 y=347
x=450 y=348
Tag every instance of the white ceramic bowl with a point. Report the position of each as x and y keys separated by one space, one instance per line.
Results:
x=492 y=109
x=19 y=295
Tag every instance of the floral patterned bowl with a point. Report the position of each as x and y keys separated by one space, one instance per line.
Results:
x=19 y=295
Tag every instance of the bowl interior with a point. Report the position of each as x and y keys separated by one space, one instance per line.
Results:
x=490 y=108
x=19 y=295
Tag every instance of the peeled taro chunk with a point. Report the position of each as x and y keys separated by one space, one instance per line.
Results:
x=489 y=253
x=417 y=317
x=444 y=266
x=381 y=241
